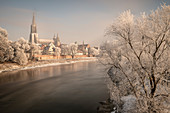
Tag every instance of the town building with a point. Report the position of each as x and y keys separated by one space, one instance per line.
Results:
x=83 y=49
x=49 y=49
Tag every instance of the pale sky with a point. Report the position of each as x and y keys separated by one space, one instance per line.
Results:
x=73 y=20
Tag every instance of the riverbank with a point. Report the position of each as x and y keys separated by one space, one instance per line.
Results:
x=7 y=66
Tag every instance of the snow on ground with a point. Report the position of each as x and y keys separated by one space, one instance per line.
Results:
x=54 y=64
x=13 y=66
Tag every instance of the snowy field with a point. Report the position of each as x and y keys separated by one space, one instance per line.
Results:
x=5 y=67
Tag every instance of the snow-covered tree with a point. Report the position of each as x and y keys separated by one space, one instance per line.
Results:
x=16 y=45
x=34 y=49
x=21 y=51
x=24 y=44
x=140 y=58
x=70 y=49
x=21 y=44
x=57 y=51
x=20 y=57
x=73 y=49
x=17 y=51
x=6 y=51
x=65 y=50
x=94 y=51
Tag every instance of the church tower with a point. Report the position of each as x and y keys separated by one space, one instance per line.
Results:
x=57 y=42
x=33 y=34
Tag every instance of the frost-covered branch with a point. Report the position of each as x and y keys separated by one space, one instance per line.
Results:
x=140 y=54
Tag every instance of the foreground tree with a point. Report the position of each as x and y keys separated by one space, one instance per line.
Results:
x=139 y=60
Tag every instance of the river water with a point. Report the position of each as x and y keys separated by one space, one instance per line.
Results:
x=70 y=88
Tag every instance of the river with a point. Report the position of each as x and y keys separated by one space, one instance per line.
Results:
x=69 y=88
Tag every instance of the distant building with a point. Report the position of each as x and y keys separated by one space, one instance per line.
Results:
x=83 y=48
x=45 y=41
x=49 y=49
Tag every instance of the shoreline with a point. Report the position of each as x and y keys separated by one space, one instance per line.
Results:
x=8 y=67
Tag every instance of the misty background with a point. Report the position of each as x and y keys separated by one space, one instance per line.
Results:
x=73 y=20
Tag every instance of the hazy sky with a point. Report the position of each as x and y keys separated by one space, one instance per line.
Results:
x=73 y=20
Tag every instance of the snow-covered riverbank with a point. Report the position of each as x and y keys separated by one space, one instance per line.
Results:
x=5 y=67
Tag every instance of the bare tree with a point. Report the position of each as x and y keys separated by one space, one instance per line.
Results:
x=140 y=58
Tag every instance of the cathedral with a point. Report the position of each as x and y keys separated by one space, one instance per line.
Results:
x=48 y=46
x=34 y=36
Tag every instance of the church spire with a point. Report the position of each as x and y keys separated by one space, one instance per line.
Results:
x=33 y=34
x=33 y=19
x=33 y=26
x=57 y=42
x=54 y=37
x=58 y=37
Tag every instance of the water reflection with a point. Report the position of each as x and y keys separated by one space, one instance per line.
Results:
x=40 y=73
x=75 y=88
x=30 y=74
